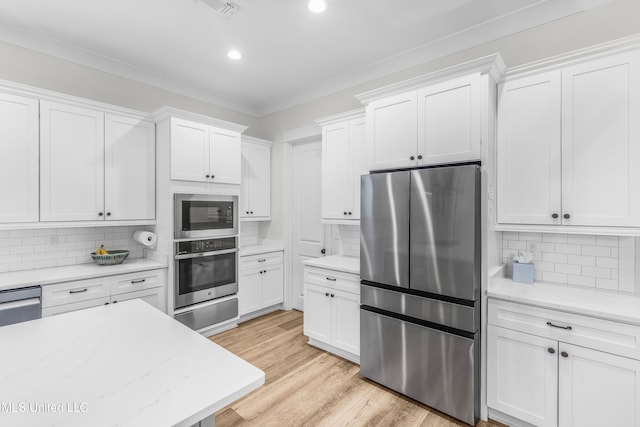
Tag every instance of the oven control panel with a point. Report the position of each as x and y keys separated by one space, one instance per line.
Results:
x=206 y=245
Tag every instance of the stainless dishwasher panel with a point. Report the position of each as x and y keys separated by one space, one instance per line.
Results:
x=209 y=314
x=431 y=366
x=458 y=316
x=20 y=305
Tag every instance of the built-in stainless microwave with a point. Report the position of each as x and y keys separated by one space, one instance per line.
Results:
x=203 y=216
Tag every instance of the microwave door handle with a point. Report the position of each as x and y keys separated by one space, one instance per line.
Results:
x=203 y=254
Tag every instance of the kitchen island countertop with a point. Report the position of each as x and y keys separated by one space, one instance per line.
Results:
x=124 y=364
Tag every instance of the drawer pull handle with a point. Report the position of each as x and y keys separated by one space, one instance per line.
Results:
x=138 y=281
x=568 y=328
x=331 y=279
x=261 y=260
x=78 y=291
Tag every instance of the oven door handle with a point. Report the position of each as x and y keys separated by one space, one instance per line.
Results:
x=203 y=254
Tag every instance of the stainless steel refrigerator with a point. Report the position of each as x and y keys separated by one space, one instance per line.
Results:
x=420 y=292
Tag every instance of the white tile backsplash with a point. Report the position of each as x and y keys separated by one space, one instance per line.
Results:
x=603 y=262
x=349 y=237
x=249 y=233
x=54 y=247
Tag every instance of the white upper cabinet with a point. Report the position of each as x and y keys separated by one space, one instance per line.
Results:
x=529 y=153
x=392 y=131
x=95 y=166
x=130 y=165
x=343 y=162
x=255 y=191
x=449 y=117
x=601 y=142
x=18 y=159
x=72 y=163
x=204 y=153
x=568 y=145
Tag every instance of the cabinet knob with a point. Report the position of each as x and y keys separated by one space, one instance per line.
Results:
x=206 y=176
x=251 y=212
x=412 y=158
x=564 y=354
x=419 y=156
x=326 y=294
x=260 y=271
x=100 y=214
x=115 y=302
x=212 y=176
x=332 y=295
x=350 y=213
x=554 y=216
x=566 y=216
x=323 y=251
x=551 y=350
x=265 y=271
x=106 y=303
x=108 y=213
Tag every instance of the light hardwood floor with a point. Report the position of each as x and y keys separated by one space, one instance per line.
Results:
x=306 y=386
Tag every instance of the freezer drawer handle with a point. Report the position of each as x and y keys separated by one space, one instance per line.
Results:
x=78 y=291
x=331 y=279
x=568 y=328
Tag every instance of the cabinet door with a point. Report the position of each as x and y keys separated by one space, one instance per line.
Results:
x=71 y=163
x=154 y=296
x=250 y=292
x=449 y=121
x=529 y=150
x=260 y=181
x=245 y=208
x=272 y=286
x=597 y=389
x=189 y=150
x=358 y=156
x=522 y=376
x=392 y=131
x=224 y=156
x=345 y=321
x=337 y=179
x=129 y=168
x=19 y=159
x=601 y=142
x=317 y=313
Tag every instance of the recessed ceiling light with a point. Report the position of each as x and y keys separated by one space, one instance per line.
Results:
x=234 y=54
x=317 y=6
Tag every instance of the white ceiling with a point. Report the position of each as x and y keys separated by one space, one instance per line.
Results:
x=290 y=54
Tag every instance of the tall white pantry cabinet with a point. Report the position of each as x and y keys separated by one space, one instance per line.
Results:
x=569 y=144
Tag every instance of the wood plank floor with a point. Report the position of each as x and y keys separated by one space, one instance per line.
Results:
x=306 y=386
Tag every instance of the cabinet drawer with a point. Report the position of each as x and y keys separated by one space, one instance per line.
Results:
x=71 y=292
x=260 y=260
x=334 y=279
x=59 y=309
x=138 y=281
x=605 y=335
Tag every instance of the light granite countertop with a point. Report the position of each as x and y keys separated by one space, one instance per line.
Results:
x=125 y=364
x=47 y=276
x=589 y=302
x=342 y=263
x=262 y=248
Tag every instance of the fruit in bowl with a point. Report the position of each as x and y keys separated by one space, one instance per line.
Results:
x=103 y=257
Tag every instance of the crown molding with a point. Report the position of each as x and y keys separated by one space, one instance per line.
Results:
x=492 y=65
x=169 y=112
x=340 y=117
x=254 y=140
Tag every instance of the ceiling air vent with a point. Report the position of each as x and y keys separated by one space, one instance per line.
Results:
x=227 y=9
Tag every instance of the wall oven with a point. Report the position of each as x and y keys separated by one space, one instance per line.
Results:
x=204 y=216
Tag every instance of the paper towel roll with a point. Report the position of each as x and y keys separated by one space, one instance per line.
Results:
x=146 y=238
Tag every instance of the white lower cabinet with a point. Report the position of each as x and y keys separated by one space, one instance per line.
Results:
x=261 y=282
x=332 y=311
x=548 y=380
x=149 y=286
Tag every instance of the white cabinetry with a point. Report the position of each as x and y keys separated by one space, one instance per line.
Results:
x=255 y=192
x=18 y=159
x=261 y=282
x=93 y=172
x=550 y=368
x=70 y=296
x=568 y=145
x=332 y=311
x=204 y=153
x=432 y=124
x=343 y=162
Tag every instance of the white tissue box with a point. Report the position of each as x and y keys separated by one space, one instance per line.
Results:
x=523 y=273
